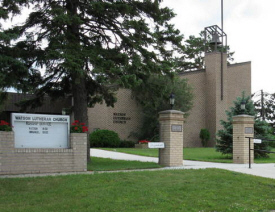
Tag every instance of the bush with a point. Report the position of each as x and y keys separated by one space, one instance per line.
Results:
x=204 y=136
x=78 y=127
x=104 y=138
x=126 y=144
x=5 y=126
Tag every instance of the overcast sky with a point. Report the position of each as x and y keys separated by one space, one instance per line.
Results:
x=250 y=29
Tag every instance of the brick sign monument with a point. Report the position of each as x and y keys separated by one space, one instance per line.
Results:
x=42 y=144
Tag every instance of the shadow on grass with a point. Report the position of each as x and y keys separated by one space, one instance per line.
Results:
x=106 y=164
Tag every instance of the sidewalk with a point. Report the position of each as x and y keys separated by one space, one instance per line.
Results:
x=263 y=170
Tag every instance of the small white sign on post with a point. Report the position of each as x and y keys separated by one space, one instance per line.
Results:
x=257 y=141
x=40 y=131
x=156 y=145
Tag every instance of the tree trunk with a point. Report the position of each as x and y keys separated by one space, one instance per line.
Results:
x=78 y=76
x=80 y=104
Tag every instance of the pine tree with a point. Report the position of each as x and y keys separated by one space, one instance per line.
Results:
x=13 y=72
x=225 y=136
x=87 y=48
x=195 y=47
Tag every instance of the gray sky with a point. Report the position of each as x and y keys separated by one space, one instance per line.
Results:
x=249 y=25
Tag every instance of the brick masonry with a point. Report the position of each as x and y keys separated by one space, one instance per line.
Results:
x=125 y=117
x=243 y=126
x=33 y=160
x=208 y=108
x=172 y=154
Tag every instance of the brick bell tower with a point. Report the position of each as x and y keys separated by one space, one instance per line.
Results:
x=216 y=80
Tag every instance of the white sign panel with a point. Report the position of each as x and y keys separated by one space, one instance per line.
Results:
x=248 y=130
x=40 y=131
x=156 y=145
x=176 y=128
x=257 y=141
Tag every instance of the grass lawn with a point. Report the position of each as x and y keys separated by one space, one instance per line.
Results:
x=178 y=190
x=199 y=154
x=106 y=164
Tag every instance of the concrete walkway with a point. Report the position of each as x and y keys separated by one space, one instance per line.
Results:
x=263 y=170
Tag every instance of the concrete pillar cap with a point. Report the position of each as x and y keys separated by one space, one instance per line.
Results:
x=244 y=116
x=171 y=112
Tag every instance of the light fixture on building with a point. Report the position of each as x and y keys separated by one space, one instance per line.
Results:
x=172 y=100
x=243 y=106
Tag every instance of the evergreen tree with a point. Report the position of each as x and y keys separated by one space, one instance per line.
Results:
x=154 y=95
x=13 y=72
x=86 y=48
x=225 y=136
x=195 y=47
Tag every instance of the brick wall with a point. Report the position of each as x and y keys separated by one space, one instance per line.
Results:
x=33 y=160
x=239 y=80
x=124 y=118
x=208 y=107
x=197 y=115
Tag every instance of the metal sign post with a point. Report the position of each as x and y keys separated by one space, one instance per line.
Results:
x=256 y=141
x=249 y=149
x=249 y=154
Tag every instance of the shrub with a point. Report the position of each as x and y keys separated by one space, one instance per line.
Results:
x=104 y=138
x=5 y=126
x=126 y=144
x=78 y=127
x=204 y=136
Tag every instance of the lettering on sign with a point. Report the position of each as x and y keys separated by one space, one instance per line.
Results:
x=156 y=145
x=248 y=130
x=35 y=118
x=120 y=118
x=40 y=131
x=257 y=141
x=176 y=128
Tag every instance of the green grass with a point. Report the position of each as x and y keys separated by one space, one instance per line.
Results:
x=148 y=191
x=198 y=154
x=205 y=154
x=106 y=164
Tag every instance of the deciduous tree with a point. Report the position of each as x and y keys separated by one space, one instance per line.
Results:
x=153 y=96
x=265 y=107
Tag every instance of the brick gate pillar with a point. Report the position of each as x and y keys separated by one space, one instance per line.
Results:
x=243 y=126
x=171 y=133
